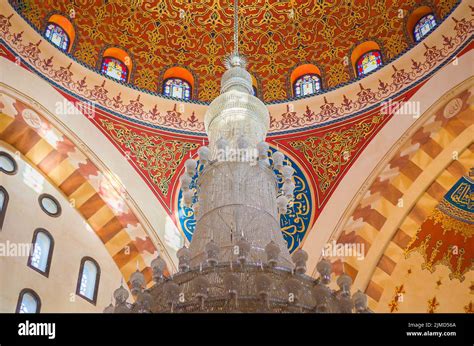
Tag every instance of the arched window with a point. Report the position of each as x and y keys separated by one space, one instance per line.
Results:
x=366 y=57
x=116 y=63
x=306 y=80
x=420 y=22
x=55 y=34
x=368 y=62
x=3 y=205
x=178 y=88
x=114 y=68
x=307 y=84
x=60 y=31
x=178 y=82
x=42 y=252
x=88 y=281
x=28 y=302
x=424 y=26
x=7 y=163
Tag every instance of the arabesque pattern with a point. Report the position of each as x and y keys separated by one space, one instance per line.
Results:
x=277 y=35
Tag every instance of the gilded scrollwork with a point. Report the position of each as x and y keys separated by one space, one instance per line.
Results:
x=276 y=35
x=446 y=236
x=105 y=93
x=328 y=153
x=155 y=155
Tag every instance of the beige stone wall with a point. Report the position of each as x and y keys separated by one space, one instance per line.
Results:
x=72 y=241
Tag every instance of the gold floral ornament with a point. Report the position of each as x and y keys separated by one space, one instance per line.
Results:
x=332 y=151
x=277 y=35
x=433 y=305
x=446 y=236
x=156 y=155
x=397 y=298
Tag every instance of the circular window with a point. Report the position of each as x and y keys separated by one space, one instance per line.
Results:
x=7 y=163
x=50 y=205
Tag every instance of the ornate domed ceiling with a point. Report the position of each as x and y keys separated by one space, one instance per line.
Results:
x=277 y=36
x=355 y=155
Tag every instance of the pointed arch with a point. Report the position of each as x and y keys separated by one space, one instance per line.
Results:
x=79 y=182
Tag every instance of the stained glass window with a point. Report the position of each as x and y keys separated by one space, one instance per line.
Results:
x=424 y=26
x=368 y=62
x=308 y=84
x=114 y=68
x=88 y=278
x=177 y=87
x=57 y=36
x=42 y=249
x=28 y=303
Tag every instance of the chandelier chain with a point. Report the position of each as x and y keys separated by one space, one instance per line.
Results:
x=236 y=27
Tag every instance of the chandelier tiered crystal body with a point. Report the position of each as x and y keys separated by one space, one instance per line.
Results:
x=238 y=260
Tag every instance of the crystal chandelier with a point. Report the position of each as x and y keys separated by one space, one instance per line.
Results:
x=238 y=260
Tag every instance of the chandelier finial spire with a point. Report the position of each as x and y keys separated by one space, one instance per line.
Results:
x=235 y=58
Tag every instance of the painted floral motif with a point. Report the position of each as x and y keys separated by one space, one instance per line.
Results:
x=447 y=235
x=397 y=298
x=433 y=305
x=330 y=110
x=328 y=153
x=155 y=155
x=275 y=34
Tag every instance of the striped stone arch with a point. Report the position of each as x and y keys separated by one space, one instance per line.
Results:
x=94 y=193
x=403 y=192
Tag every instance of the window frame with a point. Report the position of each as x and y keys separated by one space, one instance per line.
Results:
x=3 y=212
x=79 y=279
x=304 y=75
x=34 y=294
x=119 y=60
x=54 y=199
x=184 y=81
x=15 y=165
x=418 y=22
x=68 y=48
x=362 y=57
x=50 y=253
